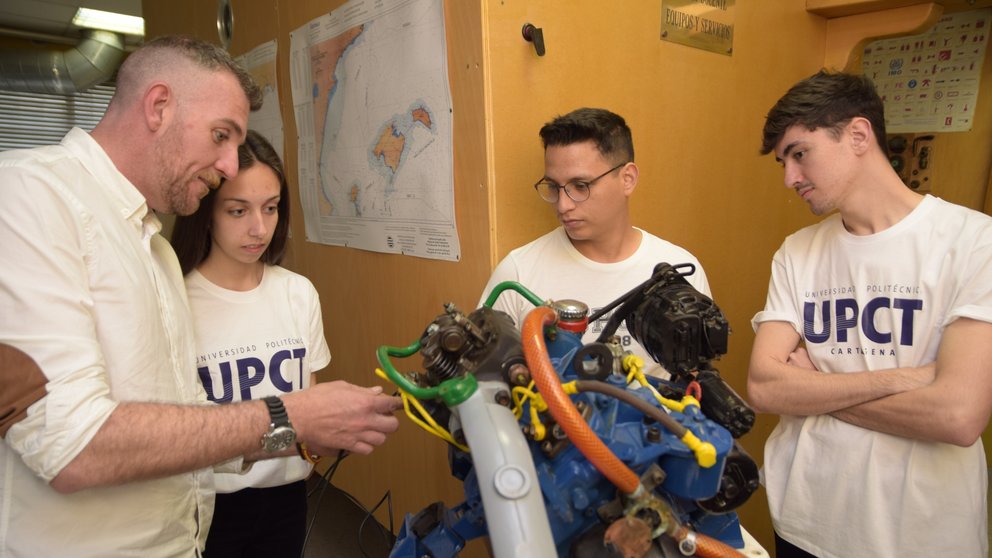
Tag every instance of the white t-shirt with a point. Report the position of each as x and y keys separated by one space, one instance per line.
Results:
x=552 y=268
x=872 y=303
x=251 y=344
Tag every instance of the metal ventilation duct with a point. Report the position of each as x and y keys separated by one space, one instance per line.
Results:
x=94 y=60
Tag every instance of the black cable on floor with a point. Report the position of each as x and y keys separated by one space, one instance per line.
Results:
x=325 y=482
x=388 y=498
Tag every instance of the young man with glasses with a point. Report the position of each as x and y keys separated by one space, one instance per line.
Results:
x=596 y=254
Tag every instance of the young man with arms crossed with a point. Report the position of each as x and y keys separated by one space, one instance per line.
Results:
x=875 y=345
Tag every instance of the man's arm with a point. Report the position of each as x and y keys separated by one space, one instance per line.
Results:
x=146 y=440
x=141 y=441
x=77 y=436
x=955 y=408
x=777 y=386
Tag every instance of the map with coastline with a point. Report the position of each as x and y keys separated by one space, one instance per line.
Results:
x=372 y=105
x=261 y=64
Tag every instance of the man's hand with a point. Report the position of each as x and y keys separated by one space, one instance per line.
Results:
x=331 y=416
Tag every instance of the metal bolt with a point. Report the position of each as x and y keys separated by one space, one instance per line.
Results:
x=452 y=340
x=503 y=398
x=657 y=476
x=519 y=374
x=653 y=434
x=687 y=546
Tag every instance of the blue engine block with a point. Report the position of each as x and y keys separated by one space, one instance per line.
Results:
x=574 y=491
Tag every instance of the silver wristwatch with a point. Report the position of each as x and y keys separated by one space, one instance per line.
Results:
x=281 y=434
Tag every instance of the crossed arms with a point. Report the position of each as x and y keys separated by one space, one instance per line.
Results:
x=949 y=400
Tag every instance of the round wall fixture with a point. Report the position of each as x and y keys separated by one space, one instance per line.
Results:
x=225 y=22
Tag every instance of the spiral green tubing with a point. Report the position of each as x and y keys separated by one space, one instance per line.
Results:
x=384 y=352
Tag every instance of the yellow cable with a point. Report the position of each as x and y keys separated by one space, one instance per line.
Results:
x=537 y=405
x=536 y=398
x=535 y=422
x=431 y=425
x=634 y=364
x=569 y=388
x=520 y=395
x=705 y=452
x=427 y=423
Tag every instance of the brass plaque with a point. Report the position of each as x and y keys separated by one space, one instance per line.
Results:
x=703 y=24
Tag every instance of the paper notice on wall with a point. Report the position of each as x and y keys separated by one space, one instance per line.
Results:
x=929 y=82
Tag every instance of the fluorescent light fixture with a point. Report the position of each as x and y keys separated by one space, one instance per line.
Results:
x=109 y=21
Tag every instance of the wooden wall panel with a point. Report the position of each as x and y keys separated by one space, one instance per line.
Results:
x=847 y=36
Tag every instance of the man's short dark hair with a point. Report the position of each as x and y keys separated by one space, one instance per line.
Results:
x=826 y=100
x=202 y=54
x=607 y=130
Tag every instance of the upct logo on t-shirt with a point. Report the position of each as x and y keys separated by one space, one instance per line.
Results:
x=876 y=311
x=252 y=371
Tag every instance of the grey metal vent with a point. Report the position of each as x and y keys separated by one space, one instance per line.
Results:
x=94 y=60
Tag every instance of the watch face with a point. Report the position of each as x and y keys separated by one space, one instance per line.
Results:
x=279 y=439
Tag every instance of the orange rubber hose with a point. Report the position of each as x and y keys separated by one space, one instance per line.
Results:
x=561 y=407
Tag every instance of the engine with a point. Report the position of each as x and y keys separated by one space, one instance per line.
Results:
x=569 y=449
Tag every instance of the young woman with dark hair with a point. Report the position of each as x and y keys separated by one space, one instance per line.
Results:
x=259 y=333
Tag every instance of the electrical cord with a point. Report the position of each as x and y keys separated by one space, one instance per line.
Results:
x=388 y=498
x=324 y=482
x=704 y=451
x=390 y=536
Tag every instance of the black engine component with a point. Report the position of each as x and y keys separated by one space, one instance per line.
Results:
x=680 y=327
x=722 y=404
x=683 y=330
x=740 y=480
x=485 y=343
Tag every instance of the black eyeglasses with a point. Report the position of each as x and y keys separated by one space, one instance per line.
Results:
x=577 y=191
